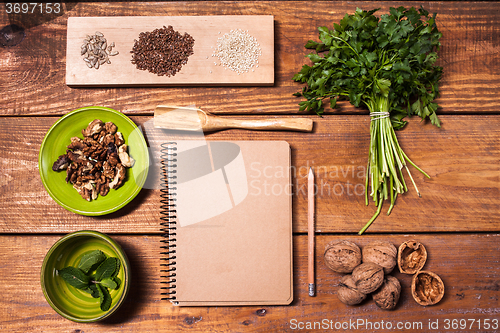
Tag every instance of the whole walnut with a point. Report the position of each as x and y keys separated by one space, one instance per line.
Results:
x=348 y=293
x=381 y=253
x=342 y=256
x=387 y=296
x=368 y=277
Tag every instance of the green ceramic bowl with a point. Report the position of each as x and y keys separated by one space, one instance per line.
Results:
x=59 y=137
x=71 y=303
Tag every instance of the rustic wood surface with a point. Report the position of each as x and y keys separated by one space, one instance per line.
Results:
x=457 y=218
x=461 y=158
x=33 y=72
x=468 y=264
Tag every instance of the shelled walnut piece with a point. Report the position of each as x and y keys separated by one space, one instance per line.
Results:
x=97 y=162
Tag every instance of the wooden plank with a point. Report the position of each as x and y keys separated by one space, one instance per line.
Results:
x=468 y=265
x=32 y=74
x=462 y=159
x=203 y=67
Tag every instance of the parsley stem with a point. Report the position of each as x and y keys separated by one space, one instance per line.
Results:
x=392 y=204
x=373 y=217
x=414 y=165
x=386 y=160
x=414 y=185
x=366 y=182
x=338 y=38
x=393 y=197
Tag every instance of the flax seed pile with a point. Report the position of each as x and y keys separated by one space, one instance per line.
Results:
x=238 y=51
x=162 y=51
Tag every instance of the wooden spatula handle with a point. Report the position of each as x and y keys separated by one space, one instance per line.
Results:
x=282 y=123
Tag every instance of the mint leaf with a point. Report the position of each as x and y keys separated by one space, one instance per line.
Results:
x=109 y=283
x=92 y=290
x=74 y=277
x=117 y=281
x=104 y=298
x=91 y=260
x=107 y=269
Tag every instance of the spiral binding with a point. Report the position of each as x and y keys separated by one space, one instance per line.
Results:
x=168 y=218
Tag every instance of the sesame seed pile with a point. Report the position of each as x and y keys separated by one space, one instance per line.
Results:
x=238 y=51
x=163 y=51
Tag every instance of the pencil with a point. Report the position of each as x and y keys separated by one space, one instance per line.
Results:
x=310 y=232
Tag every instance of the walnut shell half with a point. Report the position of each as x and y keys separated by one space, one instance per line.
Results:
x=411 y=257
x=381 y=253
x=342 y=256
x=348 y=293
x=387 y=296
x=368 y=277
x=427 y=288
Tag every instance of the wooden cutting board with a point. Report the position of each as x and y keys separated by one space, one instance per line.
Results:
x=202 y=67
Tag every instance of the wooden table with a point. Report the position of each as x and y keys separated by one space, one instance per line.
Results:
x=457 y=218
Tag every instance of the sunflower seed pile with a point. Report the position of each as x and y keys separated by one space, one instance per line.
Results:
x=162 y=51
x=96 y=51
x=238 y=51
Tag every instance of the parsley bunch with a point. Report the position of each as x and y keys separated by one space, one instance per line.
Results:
x=387 y=65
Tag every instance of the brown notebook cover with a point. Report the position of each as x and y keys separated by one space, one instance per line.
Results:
x=228 y=223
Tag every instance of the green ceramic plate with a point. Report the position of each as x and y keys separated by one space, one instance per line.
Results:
x=59 y=137
x=72 y=303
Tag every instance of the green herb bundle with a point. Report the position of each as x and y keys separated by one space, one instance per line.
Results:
x=387 y=65
x=95 y=274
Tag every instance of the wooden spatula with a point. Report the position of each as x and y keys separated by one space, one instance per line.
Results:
x=194 y=119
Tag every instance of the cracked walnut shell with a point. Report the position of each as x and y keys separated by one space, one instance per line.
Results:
x=427 y=288
x=368 y=277
x=342 y=256
x=381 y=253
x=348 y=293
x=412 y=256
x=387 y=296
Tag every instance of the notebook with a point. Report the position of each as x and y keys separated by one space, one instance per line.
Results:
x=227 y=223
